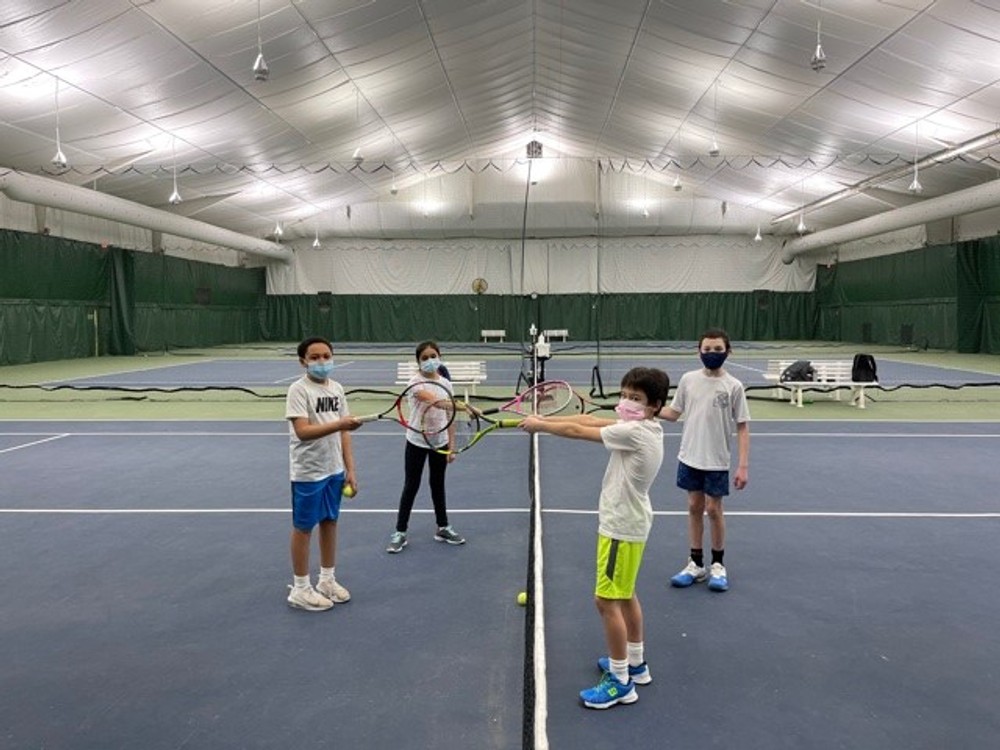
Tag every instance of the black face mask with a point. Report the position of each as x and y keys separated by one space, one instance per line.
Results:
x=713 y=360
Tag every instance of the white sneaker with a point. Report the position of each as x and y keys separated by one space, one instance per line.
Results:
x=333 y=591
x=308 y=598
x=692 y=573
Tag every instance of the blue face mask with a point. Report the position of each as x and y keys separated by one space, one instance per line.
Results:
x=320 y=370
x=713 y=360
x=431 y=365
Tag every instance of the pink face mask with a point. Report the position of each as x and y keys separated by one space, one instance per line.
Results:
x=630 y=411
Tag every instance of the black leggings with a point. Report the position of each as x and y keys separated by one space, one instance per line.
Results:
x=414 y=468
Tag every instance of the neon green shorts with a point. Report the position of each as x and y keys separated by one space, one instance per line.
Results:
x=618 y=566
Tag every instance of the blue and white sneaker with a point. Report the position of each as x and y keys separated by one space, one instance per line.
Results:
x=608 y=692
x=639 y=675
x=717 y=580
x=692 y=573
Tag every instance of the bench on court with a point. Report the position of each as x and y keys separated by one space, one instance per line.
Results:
x=493 y=333
x=552 y=333
x=831 y=376
x=465 y=373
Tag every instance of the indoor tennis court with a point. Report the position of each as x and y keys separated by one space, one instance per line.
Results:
x=530 y=200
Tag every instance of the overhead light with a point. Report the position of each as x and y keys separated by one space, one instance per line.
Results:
x=757 y=237
x=915 y=187
x=645 y=212
x=677 y=183
x=357 y=156
x=317 y=245
x=818 y=61
x=59 y=161
x=393 y=190
x=260 y=69
x=714 y=149
x=801 y=228
x=175 y=196
x=278 y=230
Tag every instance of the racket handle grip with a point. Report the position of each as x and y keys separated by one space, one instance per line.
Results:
x=367 y=418
x=505 y=423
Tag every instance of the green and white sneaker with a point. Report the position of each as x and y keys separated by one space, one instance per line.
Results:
x=396 y=542
x=449 y=535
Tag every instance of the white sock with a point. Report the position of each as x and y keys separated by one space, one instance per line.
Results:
x=619 y=669
x=635 y=654
x=301 y=582
x=326 y=574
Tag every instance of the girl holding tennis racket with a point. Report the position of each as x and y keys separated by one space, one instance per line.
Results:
x=625 y=515
x=422 y=448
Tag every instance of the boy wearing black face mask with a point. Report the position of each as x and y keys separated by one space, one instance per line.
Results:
x=714 y=404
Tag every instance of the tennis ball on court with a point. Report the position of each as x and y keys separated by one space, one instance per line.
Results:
x=522 y=598
x=349 y=491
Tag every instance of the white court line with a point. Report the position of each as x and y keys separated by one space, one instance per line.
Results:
x=210 y=511
x=798 y=514
x=34 y=442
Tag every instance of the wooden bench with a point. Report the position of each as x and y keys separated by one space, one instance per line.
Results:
x=831 y=376
x=493 y=333
x=552 y=333
x=463 y=373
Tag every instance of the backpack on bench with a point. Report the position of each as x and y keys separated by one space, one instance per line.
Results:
x=864 y=369
x=798 y=372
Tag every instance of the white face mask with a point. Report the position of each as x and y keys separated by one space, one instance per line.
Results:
x=430 y=365
x=630 y=411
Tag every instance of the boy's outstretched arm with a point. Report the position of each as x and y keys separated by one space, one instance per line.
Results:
x=669 y=414
x=578 y=427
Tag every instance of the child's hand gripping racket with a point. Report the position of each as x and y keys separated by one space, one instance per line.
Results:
x=425 y=407
x=546 y=398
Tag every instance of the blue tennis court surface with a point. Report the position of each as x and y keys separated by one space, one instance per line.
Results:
x=859 y=613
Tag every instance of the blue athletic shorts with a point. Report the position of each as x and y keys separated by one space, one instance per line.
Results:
x=313 y=502
x=712 y=483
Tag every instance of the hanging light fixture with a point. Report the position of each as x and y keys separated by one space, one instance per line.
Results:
x=357 y=157
x=59 y=161
x=757 y=237
x=317 y=245
x=278 y=230
x=915 y=187
x=801 y=228
x=714 y=149
x=260 y=69
x=175 y=196
x=818 y=61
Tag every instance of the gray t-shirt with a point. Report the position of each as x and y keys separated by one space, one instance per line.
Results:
x=624 y=510
x=321 y=403
x=712 y=407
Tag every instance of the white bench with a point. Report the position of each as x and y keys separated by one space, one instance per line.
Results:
x=493 y=333
x=552 y=333
x=831 y=375
x=464 y=373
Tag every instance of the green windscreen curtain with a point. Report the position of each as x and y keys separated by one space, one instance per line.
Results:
x=122 y=339
x=979 y=296
x=587 y=317
x=907 y=298
x=53 y=298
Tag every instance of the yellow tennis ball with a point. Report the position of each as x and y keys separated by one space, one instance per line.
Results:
x=349 y=491
x=522 y=598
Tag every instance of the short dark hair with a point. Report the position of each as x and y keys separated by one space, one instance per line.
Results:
x=304 y=346
x=429 y=344
x=715 y=333
x=655 y=383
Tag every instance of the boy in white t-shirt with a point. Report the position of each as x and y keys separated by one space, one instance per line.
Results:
x=714 y=405
x=625 y=516
x=321 y=462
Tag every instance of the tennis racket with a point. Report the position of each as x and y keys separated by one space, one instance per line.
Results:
x=425 y=407
x=546 y=398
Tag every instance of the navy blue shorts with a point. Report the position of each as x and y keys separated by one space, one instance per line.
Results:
x=712 y=483
x=313 y=502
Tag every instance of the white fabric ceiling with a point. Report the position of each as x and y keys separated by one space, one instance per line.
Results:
x=441 y=97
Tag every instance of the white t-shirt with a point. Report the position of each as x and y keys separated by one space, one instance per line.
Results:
x=624 y=510
x=712 y=407
x=321 y=403
x=433 y=415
